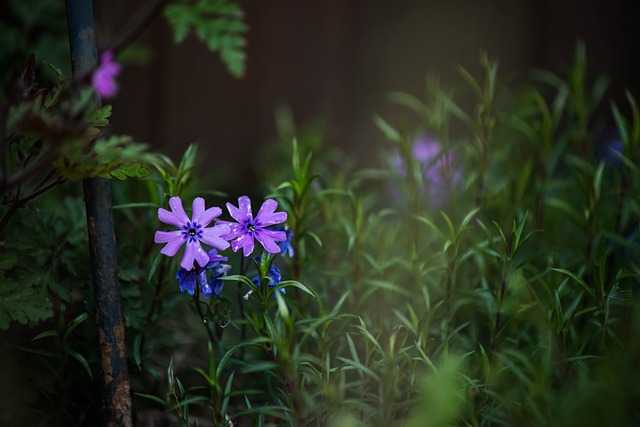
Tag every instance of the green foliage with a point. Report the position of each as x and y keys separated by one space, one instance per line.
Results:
x=22 y=299
x=23 y=31
x=492 y=283
x=218 y=23
x=53 y=134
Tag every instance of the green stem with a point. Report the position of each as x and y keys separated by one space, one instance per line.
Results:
x=196 y=300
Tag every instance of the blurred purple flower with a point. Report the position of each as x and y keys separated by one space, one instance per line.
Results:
x=208 y=286
x=435 y=166
x=242 y=233
x=191 y=231
x=104 y=77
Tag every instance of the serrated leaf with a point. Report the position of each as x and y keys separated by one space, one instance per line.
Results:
x=23 y=303
x=131 y=170
x=100 y=117
x=218 y=23
x=7 y=261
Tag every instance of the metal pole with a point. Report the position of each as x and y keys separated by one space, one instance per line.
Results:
x=116 y=396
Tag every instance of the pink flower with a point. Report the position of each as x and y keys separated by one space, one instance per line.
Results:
x=104 y=77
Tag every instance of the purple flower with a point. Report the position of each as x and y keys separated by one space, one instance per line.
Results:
x=187 y=278
x=435 y=167
x=242 y=233
x=104 y=77
x=191 y=231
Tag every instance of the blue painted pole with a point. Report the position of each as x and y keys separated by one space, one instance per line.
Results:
x=116 y=396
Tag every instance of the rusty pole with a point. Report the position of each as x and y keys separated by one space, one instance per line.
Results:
x=116 y=396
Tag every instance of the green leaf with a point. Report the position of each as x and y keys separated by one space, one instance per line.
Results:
x=80 y=358
x=23 y=302
x=282 y=306
x=578 y=279
x=151 y=397
x=218 y=23
x=295 y=284
x=45 y=334
x=100 y=117
x=131 y=170
x=359 y=367
x=227 y=394
x=224 y=360
x=7 y=261
x=59 y=74
x=387 y=129
x=118 y=155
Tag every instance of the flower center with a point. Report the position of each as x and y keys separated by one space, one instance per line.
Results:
x=191 y=232
x=251 y=227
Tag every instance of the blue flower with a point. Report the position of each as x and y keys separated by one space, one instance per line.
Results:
x=187 y=278
x=610 y=149
x=218 y=270
x=285 y=246
x=273 y=274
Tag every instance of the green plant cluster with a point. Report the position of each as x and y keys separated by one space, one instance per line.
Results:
x=511 y=302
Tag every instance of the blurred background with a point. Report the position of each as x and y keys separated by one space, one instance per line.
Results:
x=334 y=62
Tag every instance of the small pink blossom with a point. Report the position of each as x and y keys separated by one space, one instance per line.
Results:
x=104 y=77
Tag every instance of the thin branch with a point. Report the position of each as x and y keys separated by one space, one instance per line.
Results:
x=44 y=160
x=135 y=31
x=23 y=201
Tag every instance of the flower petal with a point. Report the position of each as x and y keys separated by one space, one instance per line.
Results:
x=188 y=257
x=175 y=203
x=235 y=230
x=202 y=258
x=268 y=239
x=243 y=212
x=204 y=284
x=206 y=290
x=197 y=209
x=208 y=216
x=214 y=257
x=217 y=287
x=212 y=236
x=167 y=236
x=266 y=215
x=245 y=242
x=173 y=240
x=186 y=280
x=168 y=217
